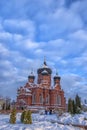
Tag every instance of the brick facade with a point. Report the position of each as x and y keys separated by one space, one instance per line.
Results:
x=42 y=94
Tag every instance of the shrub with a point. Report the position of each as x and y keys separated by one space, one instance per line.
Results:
x=13 y=116
x=29 y=118
x=22 y=116
x=26 y=117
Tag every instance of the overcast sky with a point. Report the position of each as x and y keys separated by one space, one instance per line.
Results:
x=32 y=29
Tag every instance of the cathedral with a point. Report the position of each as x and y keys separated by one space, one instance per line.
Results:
x=41 y=95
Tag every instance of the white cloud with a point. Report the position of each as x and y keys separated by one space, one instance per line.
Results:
x=1 y=27
x=26 y=44
x=5 y=36
x=39 y=51
x=59 y=22
x=17 y=26
x=80 y=8
x=3 y=50
x=30 y=44
x=74 y=84
x=80 y=35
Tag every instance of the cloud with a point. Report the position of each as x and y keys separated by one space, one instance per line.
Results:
x=24 y=27
x=80 y=34
x=28 y=44
x=59 y=22
x=79 y=7
x=5 y=37
x=27 y=8
x=3 y=51
x=74 y=84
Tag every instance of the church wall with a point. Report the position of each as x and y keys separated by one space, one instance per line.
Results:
x=44 y=78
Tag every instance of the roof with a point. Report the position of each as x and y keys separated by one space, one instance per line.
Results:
x=31 y=75
x=44 y=72
x=56 y=76
x=44 y=67
x=27 y=90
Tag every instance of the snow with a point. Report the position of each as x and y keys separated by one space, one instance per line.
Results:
x=76 y=119
x=44 y=122
x=27 y=90
x=44 y=72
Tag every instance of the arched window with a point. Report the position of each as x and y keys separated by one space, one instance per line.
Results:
x=58 y=100
x=33 y=98
x=47 y=99
x=41 y=98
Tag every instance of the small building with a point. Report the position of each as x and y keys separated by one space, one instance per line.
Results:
x=41 y=95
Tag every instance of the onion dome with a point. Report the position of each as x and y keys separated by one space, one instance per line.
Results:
x=31 y=76
x=44 y=69
x=44 y=72
x=56 y=76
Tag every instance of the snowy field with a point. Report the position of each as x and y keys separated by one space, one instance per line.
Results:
x=43 y=122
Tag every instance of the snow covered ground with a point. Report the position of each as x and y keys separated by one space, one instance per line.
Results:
x=43 y=122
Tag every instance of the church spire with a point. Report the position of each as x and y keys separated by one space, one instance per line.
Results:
x=56 y=72
x=32 y=72
x=45 y=61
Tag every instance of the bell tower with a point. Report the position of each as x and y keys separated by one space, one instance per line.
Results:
x=44 y=75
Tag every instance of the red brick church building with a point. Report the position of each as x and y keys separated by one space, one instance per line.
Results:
x=41 y=94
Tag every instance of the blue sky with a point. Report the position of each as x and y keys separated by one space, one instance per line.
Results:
x=32 y=29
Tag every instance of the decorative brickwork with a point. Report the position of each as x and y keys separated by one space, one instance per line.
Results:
x=42 y=94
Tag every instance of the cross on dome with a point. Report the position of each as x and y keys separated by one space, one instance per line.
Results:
x=45 y=64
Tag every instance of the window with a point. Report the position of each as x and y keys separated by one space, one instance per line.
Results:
x=58 y=100
x=47 y=98
x=33 y=98
x=41 y=98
